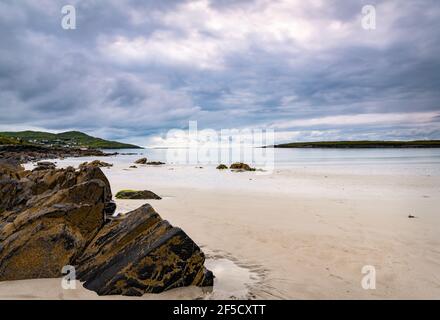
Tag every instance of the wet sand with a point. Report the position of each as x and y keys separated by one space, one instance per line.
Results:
x=294 y=234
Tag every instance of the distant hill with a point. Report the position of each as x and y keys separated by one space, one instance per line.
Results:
x=72 y=139
x=6 y=140
x=362 y=144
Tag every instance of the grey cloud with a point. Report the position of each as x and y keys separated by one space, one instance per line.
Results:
x=55 y=79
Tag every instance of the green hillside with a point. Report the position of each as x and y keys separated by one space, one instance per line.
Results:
x=72 y=139
x=7 y=140
x=363 y=144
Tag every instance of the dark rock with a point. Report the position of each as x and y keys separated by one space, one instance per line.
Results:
x=96 y=164
x=50 y=230
x=45 y=165
x=10 y=189
x=241 y=167
x=141 y=161
x=141 y=254
x=110 y=208
x=134 y=194
x=27 y=153
x=132 y=167
x=155 y=163
x=53 y=218
x=222 y=167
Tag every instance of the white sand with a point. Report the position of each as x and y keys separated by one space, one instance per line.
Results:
x=298 y=233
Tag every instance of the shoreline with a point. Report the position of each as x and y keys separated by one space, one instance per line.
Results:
x=306 y=236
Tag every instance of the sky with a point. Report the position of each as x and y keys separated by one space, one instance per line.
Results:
x=132 y=70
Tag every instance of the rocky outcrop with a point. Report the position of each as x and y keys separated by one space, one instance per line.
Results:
x=134 y=194
x=96 y=164
x=49 y=221
x=141 y=161
x=45 y=165
x=27 y=153
x=56 y=217
x=222 y=167
x=141 y=253
x=10 y=190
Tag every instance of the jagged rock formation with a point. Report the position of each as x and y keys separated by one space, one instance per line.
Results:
x=26 y=153
x=57 y=217
x=141 y=253
x=48 y=218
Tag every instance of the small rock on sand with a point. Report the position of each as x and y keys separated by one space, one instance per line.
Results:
x=241 y=167
x=96 y=164
x=155 y=163
x=135 y=194
x=141 y=161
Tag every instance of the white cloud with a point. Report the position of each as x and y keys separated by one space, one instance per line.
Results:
x=199 y=35
x=361 y=119
x=166 y=48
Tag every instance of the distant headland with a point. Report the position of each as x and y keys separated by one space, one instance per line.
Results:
x=69 y=139
x=361 y=144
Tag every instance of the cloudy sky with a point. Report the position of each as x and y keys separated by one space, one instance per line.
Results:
x=132 y=69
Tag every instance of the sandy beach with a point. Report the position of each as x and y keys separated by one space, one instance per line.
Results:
x=292 y=149
x=298 y=233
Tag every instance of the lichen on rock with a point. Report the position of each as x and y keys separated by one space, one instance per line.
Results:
x=240 y=166
x=56 y=217
x=141 y=161
x=137 y=194
x=142 y=253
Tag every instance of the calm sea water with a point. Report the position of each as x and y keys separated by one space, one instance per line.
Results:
x=402 y=161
